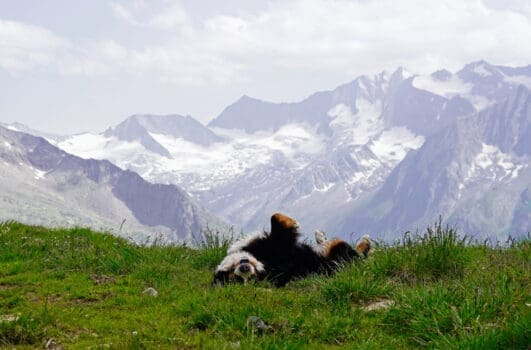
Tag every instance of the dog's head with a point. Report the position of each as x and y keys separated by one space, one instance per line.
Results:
x=238 y=267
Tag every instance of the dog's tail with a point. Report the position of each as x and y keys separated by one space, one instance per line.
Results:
x=363 y=246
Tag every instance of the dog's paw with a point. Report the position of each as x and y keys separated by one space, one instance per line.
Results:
x=363 y=246
x=320 y=237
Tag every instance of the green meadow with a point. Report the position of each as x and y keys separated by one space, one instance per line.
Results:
x=76 y=288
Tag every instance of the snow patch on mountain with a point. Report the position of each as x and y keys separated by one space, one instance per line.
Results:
x=39 y=174
x=445 y=88
x=480 y=102
x=453 y=86
x=493 y=165
x=187 y=156
x=323 y=188
x=98 y=146
x=241 y=152
x=356 y=128
x=198 y=167
x=481 y=70
x=393 y=144
x=13 y=128
x=291 y=140
x=518 y=80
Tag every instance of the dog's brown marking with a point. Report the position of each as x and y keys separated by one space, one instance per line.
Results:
x=363 y=246
x=332 y=245
x=284 y=221
x=284 y=228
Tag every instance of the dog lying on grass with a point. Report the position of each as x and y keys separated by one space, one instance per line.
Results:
x=279 y=257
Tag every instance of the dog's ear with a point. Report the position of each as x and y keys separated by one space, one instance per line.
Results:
x=220 y=278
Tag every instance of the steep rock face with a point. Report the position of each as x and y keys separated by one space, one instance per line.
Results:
x=421 y=183
x=492 y=82
x=522 y=213
x=458 y=173
x=508 y=124
x=92 y=192
x=160 y=205
x=422 y=111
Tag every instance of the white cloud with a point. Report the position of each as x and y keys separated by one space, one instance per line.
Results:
x=24 y=46
x=94 y=59
x=173 y=17
x=353 y=36
x=182 y=66
x=139 y=13
x=303 y=36
x=347 y=34
x=125 y=13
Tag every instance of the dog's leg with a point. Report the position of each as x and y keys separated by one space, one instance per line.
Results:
x=320 y=237
x=284 y=227
x=364 y=246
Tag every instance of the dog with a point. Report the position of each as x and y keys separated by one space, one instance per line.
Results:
x=279 y=256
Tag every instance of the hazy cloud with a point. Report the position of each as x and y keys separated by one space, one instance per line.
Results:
x=351 y=36
x=125 y=13
x=197 y=57
x=173 y=17
x=166 y=16
x=25 y=46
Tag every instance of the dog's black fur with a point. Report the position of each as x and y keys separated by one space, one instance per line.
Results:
x=285 y=258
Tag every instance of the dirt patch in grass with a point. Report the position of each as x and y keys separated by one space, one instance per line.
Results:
x=378 y=305
x=84 y=300
x=8 y=286
x=102 y=279
x=9 y=318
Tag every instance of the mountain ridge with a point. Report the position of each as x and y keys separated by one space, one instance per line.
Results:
x=96 y=188
x=327 y=158
x=456 y=149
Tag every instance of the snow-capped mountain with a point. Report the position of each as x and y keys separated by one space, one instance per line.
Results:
x=475 y=172
x=140 y=127
x=42 y=184
x=381 y=154
x=340 y=148
x=51 y=137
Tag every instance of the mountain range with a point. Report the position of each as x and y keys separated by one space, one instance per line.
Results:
x=42 y=184
x=381 y=154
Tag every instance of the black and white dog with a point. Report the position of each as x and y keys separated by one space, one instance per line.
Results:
x=279 y=256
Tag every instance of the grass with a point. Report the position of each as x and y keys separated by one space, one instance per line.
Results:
x=84 y=290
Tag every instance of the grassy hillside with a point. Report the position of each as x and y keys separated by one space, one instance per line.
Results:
x=78 y=289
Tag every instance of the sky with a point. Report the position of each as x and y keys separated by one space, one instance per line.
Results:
x=69 y=66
